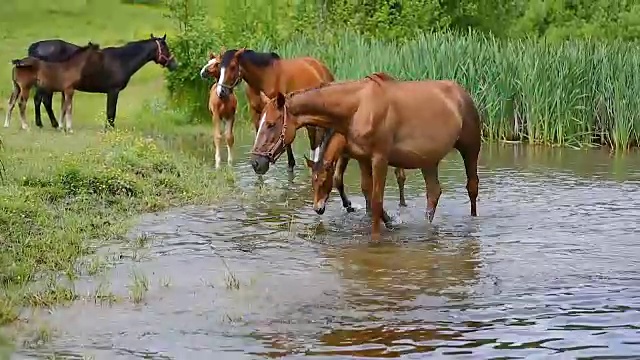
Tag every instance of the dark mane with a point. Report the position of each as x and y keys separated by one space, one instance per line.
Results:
x=259 y=59
x=131 y=48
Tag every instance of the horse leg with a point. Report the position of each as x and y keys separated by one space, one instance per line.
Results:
x=430 y=175
x=366 y=184
x=47 y=100
x=228 y=134
x=401 y=178
x=470 y=159
x=338 y=180
x=62 y=111
x=24 y=96
x=37 y=100
x=216 y=138
x=12 y=103
x=112 y=102
x=69 y=107
x=291 y=161
x=379 y=166
x=314 y=143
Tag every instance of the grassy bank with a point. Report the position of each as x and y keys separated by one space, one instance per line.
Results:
x=65 y=195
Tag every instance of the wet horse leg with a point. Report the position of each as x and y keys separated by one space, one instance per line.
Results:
x=291 y=161
x=430 y=175
x=470 y=159
x=401 y=178
x=379 y=166
x=229 y=138
x=366 y=184
x=338 y=180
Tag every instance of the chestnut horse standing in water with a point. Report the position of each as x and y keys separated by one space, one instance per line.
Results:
x=269 y=74
x=222 y=109
x=333 y=147
x=406 y=124
x=61 y=76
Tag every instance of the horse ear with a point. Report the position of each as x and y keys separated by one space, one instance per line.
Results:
x=280 y=100
x=151 y=35
x=211 y=55
x=308 y=161
x=265 y=99
x=240 y=52
x=164 y=37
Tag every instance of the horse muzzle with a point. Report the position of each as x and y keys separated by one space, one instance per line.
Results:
x=260 y=164
x=319 y=207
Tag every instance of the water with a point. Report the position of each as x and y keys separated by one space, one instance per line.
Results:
x=549 y=269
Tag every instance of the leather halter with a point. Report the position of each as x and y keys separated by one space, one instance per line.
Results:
x=277 y=149
x=162 y=56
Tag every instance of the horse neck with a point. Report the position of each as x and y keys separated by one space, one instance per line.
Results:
x=133 y=59
x=331 y=106
x=261 y=78
x=334 y=149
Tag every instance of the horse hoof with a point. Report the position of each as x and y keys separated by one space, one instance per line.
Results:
x=430 y=214
x=403 y=203
x=290 y=169
x=6 y=125
x=350 y=209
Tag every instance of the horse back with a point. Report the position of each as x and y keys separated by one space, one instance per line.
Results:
x=305 y=72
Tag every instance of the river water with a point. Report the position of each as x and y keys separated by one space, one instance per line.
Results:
x=549 y=269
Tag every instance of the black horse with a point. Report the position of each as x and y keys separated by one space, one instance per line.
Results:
x=110 y=76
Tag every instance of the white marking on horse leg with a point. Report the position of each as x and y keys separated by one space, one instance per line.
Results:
x=68 y=119
x=315 y=154
x=219 y=86
x=204 y=68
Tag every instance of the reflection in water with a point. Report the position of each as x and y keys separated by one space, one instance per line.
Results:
x=549 y=268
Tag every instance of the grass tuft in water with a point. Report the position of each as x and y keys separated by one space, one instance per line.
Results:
x=138 y=287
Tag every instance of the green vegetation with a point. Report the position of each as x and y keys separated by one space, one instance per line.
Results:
x=538 y=90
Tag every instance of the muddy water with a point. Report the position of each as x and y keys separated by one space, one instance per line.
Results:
x=550 y=268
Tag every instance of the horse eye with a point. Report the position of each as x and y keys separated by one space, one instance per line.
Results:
x=270 y=125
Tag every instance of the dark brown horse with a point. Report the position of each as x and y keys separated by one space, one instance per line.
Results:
x=269 y=74
x=222 y=109
x=63 y=76
x=109 y=76
x=406 y=124
x=334 y=147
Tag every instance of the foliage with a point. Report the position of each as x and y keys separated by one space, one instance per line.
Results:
x=568 y=93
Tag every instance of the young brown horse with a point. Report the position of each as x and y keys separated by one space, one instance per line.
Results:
x=269 y=74
x=406 y=124
x=223 y=109
x=63 y=76
x=334 y=147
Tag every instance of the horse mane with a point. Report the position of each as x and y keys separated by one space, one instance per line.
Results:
x=259 y=59
x=28 y=61
x=380 y=77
